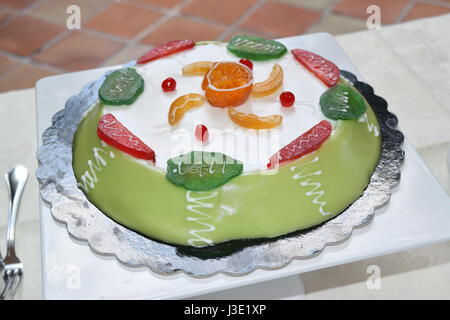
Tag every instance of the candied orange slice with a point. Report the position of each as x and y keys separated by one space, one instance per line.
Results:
x=183 y=104
x=252 y=121
x=199 y=68
x=270 y=85
x=227 y=84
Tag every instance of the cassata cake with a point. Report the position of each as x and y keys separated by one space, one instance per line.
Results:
x=199 y=144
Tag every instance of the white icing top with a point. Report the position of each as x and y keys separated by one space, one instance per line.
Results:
x=147 y=118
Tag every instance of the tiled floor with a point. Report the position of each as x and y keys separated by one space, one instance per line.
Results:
x=35 y=42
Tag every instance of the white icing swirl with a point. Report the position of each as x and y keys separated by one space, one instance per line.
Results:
x=89 y=178
x=196 y=206
x=315 y=191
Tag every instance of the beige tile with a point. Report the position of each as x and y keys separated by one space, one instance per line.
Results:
x=423 y=10
x=127 y=55
x=437 y=159
x=337 y=24
x=416 y=92
x=19 y=146
x=314 y=5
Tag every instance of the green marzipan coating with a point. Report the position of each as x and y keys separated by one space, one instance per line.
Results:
x=248 y=206
x=121 y=87
x=256 y=48
x=202 y=171
x=342 y=102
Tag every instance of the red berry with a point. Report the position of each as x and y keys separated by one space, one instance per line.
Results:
x=201 y=133
x=287 y=98
x=247 y=63
x=169 y=85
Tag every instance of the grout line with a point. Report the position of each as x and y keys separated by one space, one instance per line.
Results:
x=200 y=19
x=412 y=3
x=229 y=30
x=102 y=8
x=436 y=3
x=267 y=35
x=326 y=12
x=16 y=13
x=102 y=34
x=32 y=6
x=149 y=6
x=25 y=10
x=50 y=43
x=405 y=11
x=27 y=61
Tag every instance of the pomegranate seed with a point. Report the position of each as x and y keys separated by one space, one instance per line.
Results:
x=169 y=85
x=247 y=63
x=201 y=133
x=287 y=98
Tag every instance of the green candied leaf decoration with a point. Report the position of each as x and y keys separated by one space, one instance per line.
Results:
x=201 y=171
x=256 y=48
x=121 y=87
x=342 y=102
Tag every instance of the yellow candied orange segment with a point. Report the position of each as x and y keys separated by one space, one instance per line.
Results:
x=227 y=84
x=252 y=121
x=270 y=85
x=199 y=68
x=183 y=104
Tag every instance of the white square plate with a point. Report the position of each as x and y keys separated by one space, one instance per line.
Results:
x=417 y=215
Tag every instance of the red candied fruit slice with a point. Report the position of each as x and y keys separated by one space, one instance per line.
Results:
x=201 y=133
x=111 y=131
x=324 y=69
x=308 y=142
x=166 y=49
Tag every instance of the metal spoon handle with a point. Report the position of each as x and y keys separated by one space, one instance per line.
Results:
x=15 y=179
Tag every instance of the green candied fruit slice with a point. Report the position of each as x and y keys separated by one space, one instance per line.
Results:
x=342 y=102
x=121 y=87
x=201 y=171
x=256 y=48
